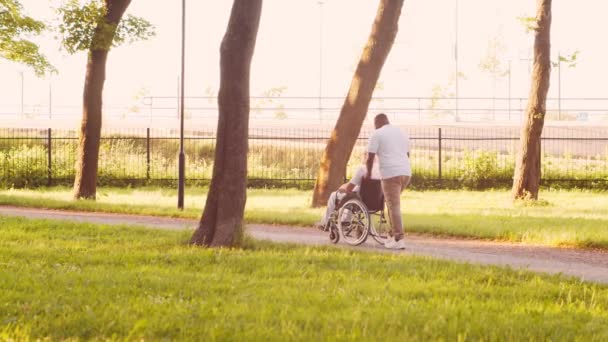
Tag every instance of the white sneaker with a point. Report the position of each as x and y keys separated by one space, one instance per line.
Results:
x=392 y=244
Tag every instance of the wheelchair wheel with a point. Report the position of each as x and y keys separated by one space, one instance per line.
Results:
x=334 y=235
x=354 y=222
x=380 y=229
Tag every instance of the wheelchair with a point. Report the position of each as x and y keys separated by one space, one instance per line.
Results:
x=359 y=215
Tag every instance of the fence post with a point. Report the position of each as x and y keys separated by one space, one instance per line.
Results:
x=439 y=157
x=148 y=153
x=49 y=165
x=521 y=114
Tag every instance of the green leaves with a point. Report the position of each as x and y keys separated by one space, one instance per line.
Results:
x=78 y=24
x=13 y=22
x=132 y=29
x=529 y=23
x=570 y=59
x=15 y=29
x=85 y=27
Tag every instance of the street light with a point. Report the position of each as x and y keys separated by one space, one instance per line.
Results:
x=22 y=87
x=320 y=2
x=50 y=97
x=456 y=118
x=559 y=86
x=509 y=91
x=182 y=157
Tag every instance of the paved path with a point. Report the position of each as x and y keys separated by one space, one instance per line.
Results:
x=589 y=265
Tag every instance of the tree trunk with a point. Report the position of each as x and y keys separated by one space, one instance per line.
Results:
x=526 y=179
x=222 y=219
x=85 y=182
x=340 y=144
x=90 y=129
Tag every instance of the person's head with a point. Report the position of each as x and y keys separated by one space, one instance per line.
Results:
x=380 y=120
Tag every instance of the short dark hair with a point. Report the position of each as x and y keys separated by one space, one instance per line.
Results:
x=380 y=117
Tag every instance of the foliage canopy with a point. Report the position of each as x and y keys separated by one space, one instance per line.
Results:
x=85 y=27
x=16 y=30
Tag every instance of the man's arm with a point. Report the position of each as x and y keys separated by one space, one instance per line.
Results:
x=372 y=149
x=369 y=164
x=347 y=187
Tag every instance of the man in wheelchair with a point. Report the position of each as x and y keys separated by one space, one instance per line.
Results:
x=347 y=191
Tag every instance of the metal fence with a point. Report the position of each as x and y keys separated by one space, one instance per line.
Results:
x=475 y=157
x=310 y=110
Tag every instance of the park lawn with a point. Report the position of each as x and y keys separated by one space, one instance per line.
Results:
x=65 y=280
x=573 y=218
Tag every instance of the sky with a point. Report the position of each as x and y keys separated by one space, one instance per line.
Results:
x=310 y=49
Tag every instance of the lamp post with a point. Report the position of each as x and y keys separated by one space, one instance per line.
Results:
x=320 y=2
x=182 y=157
x=559 y=86
x=456 y=117
x=509 y=91
x=22 y=87
x=50 y=98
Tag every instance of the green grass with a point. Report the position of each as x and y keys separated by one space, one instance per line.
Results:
x=560 y=218
x=62 y=280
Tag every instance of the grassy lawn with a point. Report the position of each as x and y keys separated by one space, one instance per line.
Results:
x=561 y=218
x=63 y=280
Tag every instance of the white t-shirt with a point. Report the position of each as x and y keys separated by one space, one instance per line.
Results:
x=391 y=146
x=361 y=172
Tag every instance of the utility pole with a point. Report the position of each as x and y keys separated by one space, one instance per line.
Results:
x=320 y=2
x=456 y=116
x=22 y=87
x=509 y=95
x=528 y=60
x=182 y=157
x=559 y=86
x=50 y=99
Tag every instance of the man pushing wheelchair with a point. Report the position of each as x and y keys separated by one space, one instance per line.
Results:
x=384 y=174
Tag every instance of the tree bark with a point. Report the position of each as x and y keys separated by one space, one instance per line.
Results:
x=526 y=180
x=222 y=219
x=340 y=145
x=85 y=182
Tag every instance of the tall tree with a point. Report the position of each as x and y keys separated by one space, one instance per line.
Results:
x=343 y=137
x=14 y=28
x=222 y=219
x=96 y=27
x=526 y=180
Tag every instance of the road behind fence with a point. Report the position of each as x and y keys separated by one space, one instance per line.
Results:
x=442 y=157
